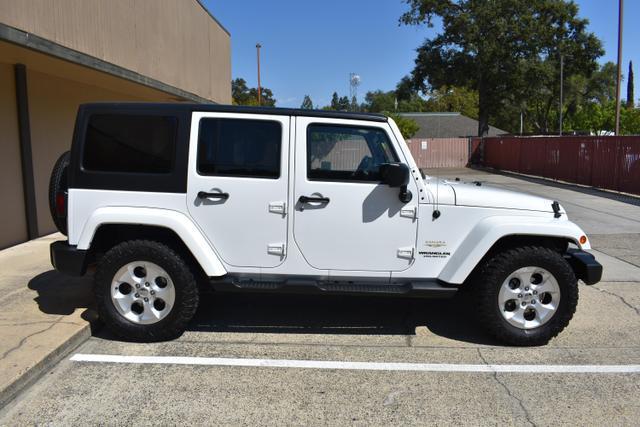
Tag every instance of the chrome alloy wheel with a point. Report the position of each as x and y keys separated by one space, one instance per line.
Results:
x=143 y=292
x=529 y=297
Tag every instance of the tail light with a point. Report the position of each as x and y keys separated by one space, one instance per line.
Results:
x=61 y=204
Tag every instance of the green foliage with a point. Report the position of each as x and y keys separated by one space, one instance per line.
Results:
x=344 y=103
x=354 y=104
x=307 y=104
x=599 y=119
x=454 y=99
x=335 y=102
x=541 y=110
x=379 y=101
x=338 y=103
x=241 y=94
x=508 y=51
x=407 y=126
x=630 y=121
x=408 y=100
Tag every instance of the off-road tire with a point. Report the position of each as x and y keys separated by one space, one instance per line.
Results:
x=58 y=184
x=186 y=289
x=494 y=272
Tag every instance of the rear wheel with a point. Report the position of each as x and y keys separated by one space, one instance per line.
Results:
x=526 y=296
x=145 y=291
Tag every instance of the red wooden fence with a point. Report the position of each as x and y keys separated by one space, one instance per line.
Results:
x=430 y=153
x=611 y=162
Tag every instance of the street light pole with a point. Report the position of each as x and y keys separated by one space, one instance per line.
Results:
x=258 y=46
x=619 y=66
x=561 y=89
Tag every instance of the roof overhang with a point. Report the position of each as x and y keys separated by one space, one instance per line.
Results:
x=42 y=45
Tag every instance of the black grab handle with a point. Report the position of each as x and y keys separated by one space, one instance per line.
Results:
x=205 y=195
x=307 y=199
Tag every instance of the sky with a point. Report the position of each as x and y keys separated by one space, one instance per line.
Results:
x=310 y=47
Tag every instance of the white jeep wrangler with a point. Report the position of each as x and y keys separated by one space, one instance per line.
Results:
x=166 y=198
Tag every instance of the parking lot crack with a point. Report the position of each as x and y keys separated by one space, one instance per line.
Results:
x=508 y=390
x=24 y=339
x=621 y=298
x=409 y=341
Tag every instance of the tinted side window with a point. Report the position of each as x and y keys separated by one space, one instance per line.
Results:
x=346 y=153
x=238 y=147
x=130 y=143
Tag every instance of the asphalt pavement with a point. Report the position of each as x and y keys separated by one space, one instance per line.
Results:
x=267 y=359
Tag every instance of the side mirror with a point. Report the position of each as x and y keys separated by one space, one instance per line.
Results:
x=394 y=174
x=397 y=175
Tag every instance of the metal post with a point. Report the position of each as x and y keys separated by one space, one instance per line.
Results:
x=24 y=129
x=258 y=46
x=561 y=89
x=521 y=122
x=619 y=66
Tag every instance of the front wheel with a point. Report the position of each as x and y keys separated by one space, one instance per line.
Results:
x=145 y=291
x=526 y=295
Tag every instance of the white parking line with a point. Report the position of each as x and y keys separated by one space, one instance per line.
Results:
x=368 y=366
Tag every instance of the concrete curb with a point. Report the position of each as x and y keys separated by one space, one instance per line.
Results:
x=31 y=375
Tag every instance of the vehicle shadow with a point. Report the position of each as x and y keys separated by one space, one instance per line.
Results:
x=286 y=314
x=62 y=295
x=330 y=314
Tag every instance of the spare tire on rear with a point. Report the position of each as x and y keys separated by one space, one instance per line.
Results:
x=58 y=189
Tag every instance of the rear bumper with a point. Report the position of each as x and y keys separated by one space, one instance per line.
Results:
x=68 y=259
x=585 y=266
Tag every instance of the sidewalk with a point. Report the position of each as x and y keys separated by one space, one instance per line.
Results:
x=43 y=314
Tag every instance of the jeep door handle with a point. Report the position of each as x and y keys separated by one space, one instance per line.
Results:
x=205 y=195
x=307 y=199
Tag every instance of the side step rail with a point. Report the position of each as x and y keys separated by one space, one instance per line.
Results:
x=424 y=289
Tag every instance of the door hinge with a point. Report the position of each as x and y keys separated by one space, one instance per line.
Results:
x=409 y=212
x=279 y=249
x=406 y=252
x=278 y=208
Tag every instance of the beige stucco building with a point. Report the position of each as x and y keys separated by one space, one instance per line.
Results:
x=56 y=54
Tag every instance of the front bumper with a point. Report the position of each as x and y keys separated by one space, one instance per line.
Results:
x=585 y=266
x=68 y=259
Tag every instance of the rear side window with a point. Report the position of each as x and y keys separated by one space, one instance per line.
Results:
x=238 y=147
x=130 y=143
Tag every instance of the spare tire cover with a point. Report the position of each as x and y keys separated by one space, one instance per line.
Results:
x=58 y=184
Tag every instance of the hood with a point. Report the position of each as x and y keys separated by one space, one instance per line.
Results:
x=471 y=194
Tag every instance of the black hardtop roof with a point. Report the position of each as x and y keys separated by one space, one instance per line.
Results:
x=220 y=108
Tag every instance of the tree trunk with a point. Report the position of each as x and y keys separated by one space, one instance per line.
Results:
x=483 y=110
x=483 y=121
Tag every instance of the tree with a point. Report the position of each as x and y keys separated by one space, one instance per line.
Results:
x=454 y=99
x=630 y=94
x=600 y=87
x=378 y=101
x=541 y=109
x=335 y=102
x=239 y=91
x=338 y=103
x=344 y=103
x=506 y=50
x=241 y=94
x=405 y=89
x=307 y=104
x=354 y=104
x=407 y=126
x=600 y=119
